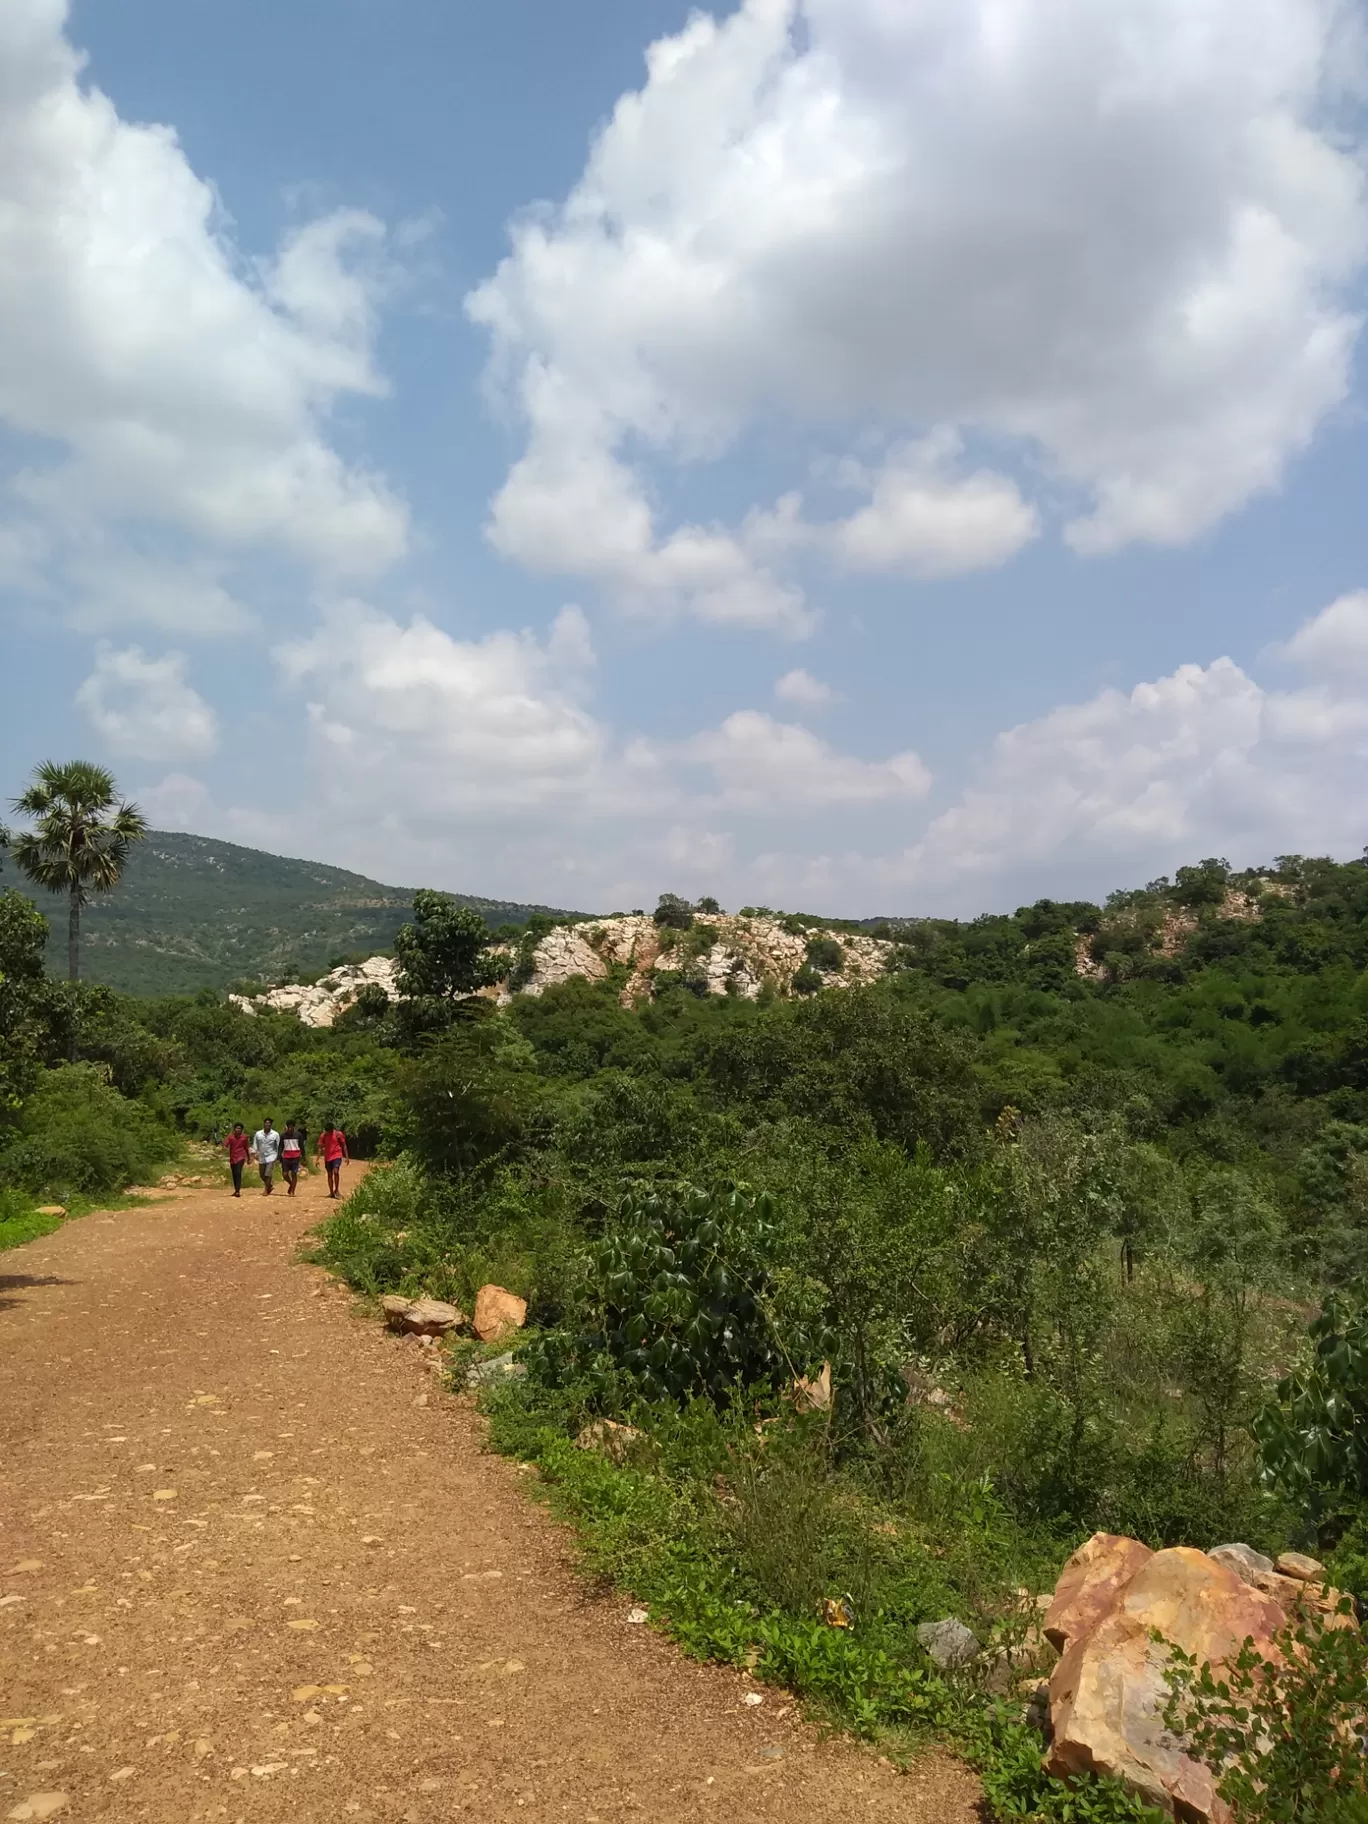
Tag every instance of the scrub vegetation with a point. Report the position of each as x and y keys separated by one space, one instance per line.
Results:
x=1072 y=1206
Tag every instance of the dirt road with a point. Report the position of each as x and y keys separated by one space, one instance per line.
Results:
x=254 y=1566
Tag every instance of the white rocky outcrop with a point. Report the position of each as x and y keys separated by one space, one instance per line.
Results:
x=320 y=1003
x=725 y=954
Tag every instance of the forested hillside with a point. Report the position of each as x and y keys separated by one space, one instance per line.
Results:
x=194 y=913
x=1039 y=1220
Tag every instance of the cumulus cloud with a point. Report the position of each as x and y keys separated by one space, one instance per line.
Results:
x=178 y=385
x=1204 y=760
x=178 y=801
x=800 y=688
x=1117 y=241
x=147 y=707
x=484 y=763
x=760 y=764
x=924 y=520
x=428 y=746
x=415 y=724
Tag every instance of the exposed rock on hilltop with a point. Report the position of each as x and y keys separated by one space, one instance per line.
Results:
x=719 y=954
x=319 y=1003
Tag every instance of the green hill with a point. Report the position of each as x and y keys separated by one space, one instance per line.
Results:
x=194 y=913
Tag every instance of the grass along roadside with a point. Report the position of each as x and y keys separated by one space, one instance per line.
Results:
x=28 y=1216
x=725 y=1542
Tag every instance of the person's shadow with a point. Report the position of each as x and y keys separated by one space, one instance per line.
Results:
x=21 y=1282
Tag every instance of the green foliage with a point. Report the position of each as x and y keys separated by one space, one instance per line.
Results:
x=76 y=1135
x=674 y=1300
x=443 y=956
x=469 y=1095
x=825 y=955
x=1313 y=1435
x=1283 y=1736
x=23 y=999
x=673 y=913
x=80 y=840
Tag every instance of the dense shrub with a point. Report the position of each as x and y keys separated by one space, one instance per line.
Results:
x=77 y=1136
x=674 y=1301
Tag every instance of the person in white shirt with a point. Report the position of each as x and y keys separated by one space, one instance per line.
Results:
x=266 y=1150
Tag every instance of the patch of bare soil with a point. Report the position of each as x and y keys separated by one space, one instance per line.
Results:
x=254 y=1566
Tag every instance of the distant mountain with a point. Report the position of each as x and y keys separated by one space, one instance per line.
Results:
x=192 y=913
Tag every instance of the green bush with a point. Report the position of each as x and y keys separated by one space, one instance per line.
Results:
x=78 y=1137
x=674 y=1300
x=1284 y=1736
x=825 y=955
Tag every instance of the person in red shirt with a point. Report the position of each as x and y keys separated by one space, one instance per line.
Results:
x=238 y=1148
x=332 y=1150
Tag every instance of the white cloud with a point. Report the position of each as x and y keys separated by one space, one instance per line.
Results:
x=415 y=725
x=482 y=763
x=1118 y=239
x=147 y=707
x=926 y=521
x=179 y=387
x=799 y=687
x=763 y=765
x=176 y=802
x=1206 y=760
x=1334 y=642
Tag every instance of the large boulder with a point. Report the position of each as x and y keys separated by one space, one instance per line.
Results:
x=420 y=1316
x=1108 y=1692
x=948 y=1644
x=1089 y=1585
x=498 y=1313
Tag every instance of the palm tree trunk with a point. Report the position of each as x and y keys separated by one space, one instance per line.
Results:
x=74 y=936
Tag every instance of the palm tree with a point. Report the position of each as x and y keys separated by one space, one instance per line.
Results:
x=80 y=840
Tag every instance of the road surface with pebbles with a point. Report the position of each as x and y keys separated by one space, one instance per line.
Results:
x=255 y=1565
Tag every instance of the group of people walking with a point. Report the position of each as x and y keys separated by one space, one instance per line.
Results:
x=271 y=1148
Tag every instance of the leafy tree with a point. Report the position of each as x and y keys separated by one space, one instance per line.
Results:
x=81 y=838
x=23 y=1023
x=707 y=904
x=470 y=1096
x=673 y=913
x=825 y=955
x=443 y=959
x=1202 y=886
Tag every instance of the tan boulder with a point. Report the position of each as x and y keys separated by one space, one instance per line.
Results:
x=813 y=1393
x=1089 y=1585
x=497 y=1313
x=1108 y=1692
x=432 y=1317
x=424 y=1317
x=1298 y=1565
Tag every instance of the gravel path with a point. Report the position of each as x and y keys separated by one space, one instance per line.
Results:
x=254 y=1566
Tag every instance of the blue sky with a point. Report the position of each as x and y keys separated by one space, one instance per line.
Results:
x=854 y=455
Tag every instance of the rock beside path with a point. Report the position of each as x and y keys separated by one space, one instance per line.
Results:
x=498 y=1313
x=420 y=1316
x=497 y=1368
x=1116 y=1608
x=948 y=1644
x=610 y=1439
x=1089 y=1585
